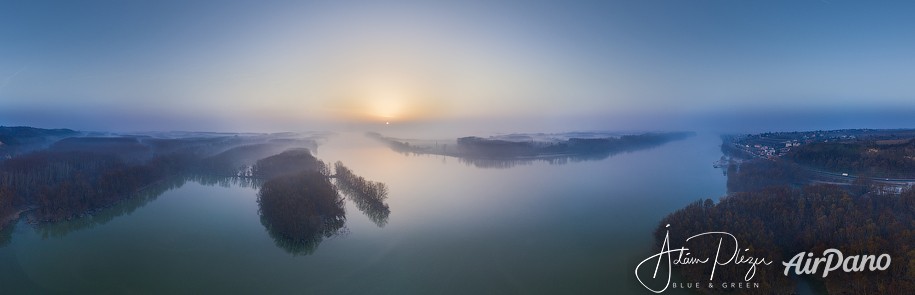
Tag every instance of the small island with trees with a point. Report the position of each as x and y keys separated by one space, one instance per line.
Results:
x=297 y=203
x=506 y=151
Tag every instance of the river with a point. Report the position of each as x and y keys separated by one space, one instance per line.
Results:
x=534 y=228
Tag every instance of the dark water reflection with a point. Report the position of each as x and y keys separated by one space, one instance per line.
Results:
x=105 y=215
x=375 y=209
x=576 y=228
x=140 y=199
x=300 y=240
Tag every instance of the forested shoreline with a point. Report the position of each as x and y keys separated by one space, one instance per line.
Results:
x=781 y=206
x=779 y=222
x=73 y=178
x=55 y=179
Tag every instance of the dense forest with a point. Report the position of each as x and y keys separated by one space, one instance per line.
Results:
x=300 y=209
x=757 y=174
x=62 y=178
x=287 y=162
x=60 y=185
x=235 y=161
x=779 y=207
x=779 y=222
x=886 y=158
x=63 y=185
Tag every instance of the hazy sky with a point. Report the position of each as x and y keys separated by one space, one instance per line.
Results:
x=504 y=65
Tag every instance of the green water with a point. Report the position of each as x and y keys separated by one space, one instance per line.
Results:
x=539 y=228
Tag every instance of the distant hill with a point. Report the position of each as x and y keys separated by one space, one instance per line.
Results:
x=28 y=135
x=19 y=140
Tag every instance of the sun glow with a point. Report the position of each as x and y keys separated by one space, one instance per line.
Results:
x=385 y=97
x=390 y=100
x=387 y=106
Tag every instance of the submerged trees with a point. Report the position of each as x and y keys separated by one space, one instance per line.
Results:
x=368 y=195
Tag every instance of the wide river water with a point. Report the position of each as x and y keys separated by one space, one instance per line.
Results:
x=536 y=228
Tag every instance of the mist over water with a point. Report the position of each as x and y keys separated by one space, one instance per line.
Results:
x=452 y=228
x=718 y=121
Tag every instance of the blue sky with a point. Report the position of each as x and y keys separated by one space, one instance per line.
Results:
x=499 y=65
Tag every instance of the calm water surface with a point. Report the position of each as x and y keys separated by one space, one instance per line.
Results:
x=575 y=228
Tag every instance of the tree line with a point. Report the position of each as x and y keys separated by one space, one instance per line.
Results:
x=778 y=222
x=368 y=195
x=756 y=174
x=63 y=185
x=869 y=157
